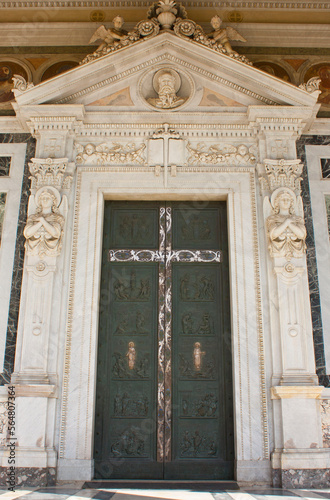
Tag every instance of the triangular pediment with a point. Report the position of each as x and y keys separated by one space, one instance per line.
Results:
x=125 y=80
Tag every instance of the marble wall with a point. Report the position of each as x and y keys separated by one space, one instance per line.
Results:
x=324 y=377
x=19 y=254
x=2 y=211
x=325 y=418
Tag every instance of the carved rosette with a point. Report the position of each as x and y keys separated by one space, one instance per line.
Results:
x=184 y=27
x=47 y=207
x=148 y=28
x=283 y=209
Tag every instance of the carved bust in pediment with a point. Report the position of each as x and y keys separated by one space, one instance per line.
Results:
x=166 y=83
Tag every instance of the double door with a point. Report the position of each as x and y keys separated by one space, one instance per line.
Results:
x=164 y=380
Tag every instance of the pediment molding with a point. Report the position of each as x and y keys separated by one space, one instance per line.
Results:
x=166 y=58
x=244 y=83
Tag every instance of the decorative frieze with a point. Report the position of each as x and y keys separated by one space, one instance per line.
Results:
x=221 y=153
x=104 y=154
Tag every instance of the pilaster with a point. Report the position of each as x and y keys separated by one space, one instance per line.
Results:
x=35 y=379
x=295 y=393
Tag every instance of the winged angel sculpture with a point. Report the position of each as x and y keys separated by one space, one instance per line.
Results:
x=166 y=15
x=223 y=35
x=110 y=36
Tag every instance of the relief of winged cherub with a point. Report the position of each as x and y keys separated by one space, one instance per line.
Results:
x=111 y=36
x=223 y=35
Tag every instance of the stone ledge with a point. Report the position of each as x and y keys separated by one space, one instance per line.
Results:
x=296 y=392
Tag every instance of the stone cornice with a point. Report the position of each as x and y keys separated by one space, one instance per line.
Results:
x=296 y=392
x=257 y=34
x=265 y=4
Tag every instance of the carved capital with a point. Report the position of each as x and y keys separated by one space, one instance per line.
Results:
x=50 y=172
x=280 y=173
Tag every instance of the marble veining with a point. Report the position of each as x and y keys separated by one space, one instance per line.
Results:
x=327 y=204
x=324 y=378
x=305 y=478
x=5 y=162
x=2 y=211
x=325 y=417
x=31 y=476
x=325 y=167
x=19 y=256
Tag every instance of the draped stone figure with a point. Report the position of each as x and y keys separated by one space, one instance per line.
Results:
x=286 y=231
x=44 y=228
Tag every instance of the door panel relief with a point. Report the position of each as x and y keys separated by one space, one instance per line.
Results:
x=164 y=395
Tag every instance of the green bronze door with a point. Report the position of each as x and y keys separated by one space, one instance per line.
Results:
x=164 y=382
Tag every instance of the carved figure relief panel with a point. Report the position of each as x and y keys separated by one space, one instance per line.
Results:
x=164 y=397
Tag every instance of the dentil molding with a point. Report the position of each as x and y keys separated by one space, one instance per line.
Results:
x=15 y=4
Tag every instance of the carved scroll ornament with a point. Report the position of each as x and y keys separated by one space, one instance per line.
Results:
x=312 y=85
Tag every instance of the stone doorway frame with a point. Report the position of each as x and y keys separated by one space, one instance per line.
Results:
x=237 y=186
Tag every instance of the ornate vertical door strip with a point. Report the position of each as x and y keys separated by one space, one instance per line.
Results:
x=161 y=339
x=168 y=336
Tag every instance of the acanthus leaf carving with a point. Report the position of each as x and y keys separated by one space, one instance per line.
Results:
x=281 y=173
x=49 y=172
